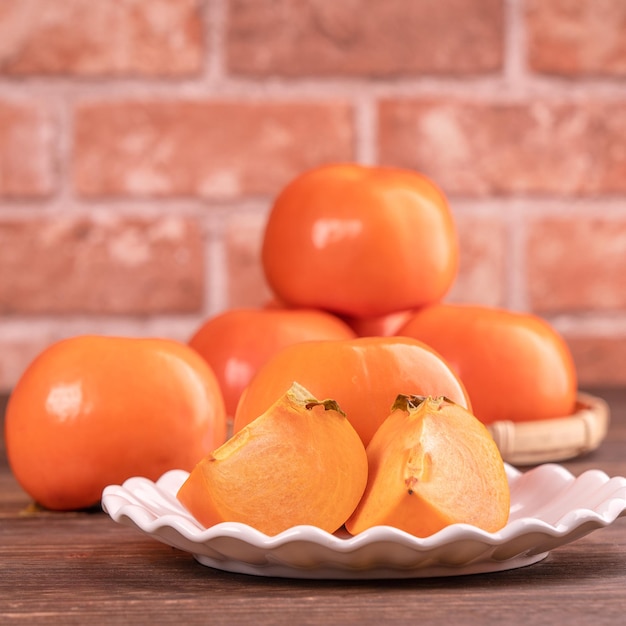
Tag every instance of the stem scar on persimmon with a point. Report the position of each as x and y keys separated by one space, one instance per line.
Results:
x=329 y=405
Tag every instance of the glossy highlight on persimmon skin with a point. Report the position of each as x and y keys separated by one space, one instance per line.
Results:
x=91 y=411
x=364 y=375
x=237 y=342
x=515 y=366
x=360 y=241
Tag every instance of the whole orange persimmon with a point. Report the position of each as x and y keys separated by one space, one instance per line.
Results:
x=360 y=241
x=364 y=376
x=237 y=342
x=515 y=366
x=92 y=410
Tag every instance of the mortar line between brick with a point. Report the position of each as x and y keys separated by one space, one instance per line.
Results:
x=515 y=46
x=517 y=285
x=179 y=326
x=488 y=88
x=546 y=205
x=214 y=17
x=54 y=326
x=366 y=130
x=215 y=268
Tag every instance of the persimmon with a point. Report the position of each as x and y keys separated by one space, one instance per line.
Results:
x=515 y=366
x=300 y=462
x=92 y=410
x=237 y=342
x=381 y=326
x=431 y=464
x=364 y=375
x=360 y=241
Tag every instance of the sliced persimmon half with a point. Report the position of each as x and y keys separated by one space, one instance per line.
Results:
x=300 y=462
x=432 y=463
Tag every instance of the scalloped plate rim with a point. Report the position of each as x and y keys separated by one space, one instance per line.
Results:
x=152 y=508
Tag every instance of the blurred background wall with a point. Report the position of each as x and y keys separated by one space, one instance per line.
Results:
x=142 y=143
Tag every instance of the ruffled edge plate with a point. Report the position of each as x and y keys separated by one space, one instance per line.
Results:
x=550 y=507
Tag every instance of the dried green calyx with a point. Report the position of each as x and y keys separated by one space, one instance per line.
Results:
x=409 y=403
x=299 y=394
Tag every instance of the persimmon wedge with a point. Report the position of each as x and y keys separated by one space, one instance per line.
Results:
x=300 y=462
x=432 y=464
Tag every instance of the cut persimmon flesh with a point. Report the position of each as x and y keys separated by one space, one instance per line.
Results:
x=431 y=464
x=300 y=462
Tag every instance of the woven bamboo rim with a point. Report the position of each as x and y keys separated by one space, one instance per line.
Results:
x=558 y=439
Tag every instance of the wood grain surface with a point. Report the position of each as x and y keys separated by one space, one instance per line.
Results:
x=75 y=568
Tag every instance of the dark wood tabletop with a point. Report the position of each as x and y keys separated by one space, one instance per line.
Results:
x=82 y=567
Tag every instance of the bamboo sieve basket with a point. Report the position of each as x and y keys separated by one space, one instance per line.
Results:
x=558 y=439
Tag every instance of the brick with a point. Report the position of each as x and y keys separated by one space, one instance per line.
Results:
x=100 y=264
x=243 y=239
x=17 y=351
x=600 y=361
x=363 y=38
x=98 y=37
x=207 y=149
x=481 y=277
x=482 y=148
x=577 y=37
x=577 y=264
x=27 y=150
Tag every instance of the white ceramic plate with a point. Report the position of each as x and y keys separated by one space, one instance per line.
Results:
x=549 y=507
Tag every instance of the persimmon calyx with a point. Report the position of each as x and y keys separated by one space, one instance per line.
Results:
x=409 y=403
x=298 y=394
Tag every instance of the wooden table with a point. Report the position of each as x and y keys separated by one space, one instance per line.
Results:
x=72 y=568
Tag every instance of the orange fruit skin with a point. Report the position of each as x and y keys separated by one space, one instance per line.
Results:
x=364 y=375
x=515 y=366
x=360 y=241
x=91 y=411
x=382 y=326
x=237 y=342
x=301 y=462
x=430 y=467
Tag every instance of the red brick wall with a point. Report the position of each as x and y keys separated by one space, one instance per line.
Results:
x=142 y=141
